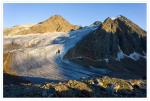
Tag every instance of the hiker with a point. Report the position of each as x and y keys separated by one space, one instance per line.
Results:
x=58 y=52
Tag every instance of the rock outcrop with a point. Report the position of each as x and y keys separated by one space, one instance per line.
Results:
x=95 y=87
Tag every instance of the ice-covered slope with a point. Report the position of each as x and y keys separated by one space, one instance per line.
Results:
x=36 y=55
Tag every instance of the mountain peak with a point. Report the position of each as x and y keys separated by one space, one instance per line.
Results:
x=117 y=44
x=113 y=24
x=115 y=18
x=55 y=23
x=118 y=17
x=56 y=17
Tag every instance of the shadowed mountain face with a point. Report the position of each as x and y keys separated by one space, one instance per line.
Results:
x=55 y=23
x=118 y=44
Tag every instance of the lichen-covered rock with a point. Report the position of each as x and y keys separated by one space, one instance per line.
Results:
x=60 y=87
x=78 y=85
x=95 y=87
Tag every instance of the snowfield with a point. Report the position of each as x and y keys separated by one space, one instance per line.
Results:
x=35 y=55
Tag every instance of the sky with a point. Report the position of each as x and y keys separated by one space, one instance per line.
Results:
x=82 y=14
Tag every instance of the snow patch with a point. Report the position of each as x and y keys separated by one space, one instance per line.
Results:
x=106 y=60
x=120 y=55
x=113 y=18
x=79 y=34
x=135 y=56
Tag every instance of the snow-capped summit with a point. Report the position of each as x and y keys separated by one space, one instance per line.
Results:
x=115 y=17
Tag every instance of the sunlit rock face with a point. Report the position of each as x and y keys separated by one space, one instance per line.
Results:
x=55 y=23
x=118 y=44
x=16 y=29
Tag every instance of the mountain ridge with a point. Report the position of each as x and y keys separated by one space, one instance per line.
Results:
x=54 y=23
x=118 y=42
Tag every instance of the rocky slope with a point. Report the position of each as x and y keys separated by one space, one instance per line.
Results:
x=16 y=29
x=55 y=23
x=93 y=87
x=118 y=45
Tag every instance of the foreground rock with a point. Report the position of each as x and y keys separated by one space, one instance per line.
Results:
x=97 y=87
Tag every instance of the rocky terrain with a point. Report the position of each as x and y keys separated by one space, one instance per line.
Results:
x=97 y=87
x=54 y=58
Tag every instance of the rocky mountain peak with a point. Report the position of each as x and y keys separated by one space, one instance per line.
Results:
x=117 y=39
x=118 y=17
x=109 y=25
x=55 y=23
x=55 y=18
x=121 y=24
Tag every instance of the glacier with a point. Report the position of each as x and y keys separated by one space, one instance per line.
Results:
x=34 y=55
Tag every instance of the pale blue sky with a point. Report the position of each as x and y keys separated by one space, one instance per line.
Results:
x=79 y=14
